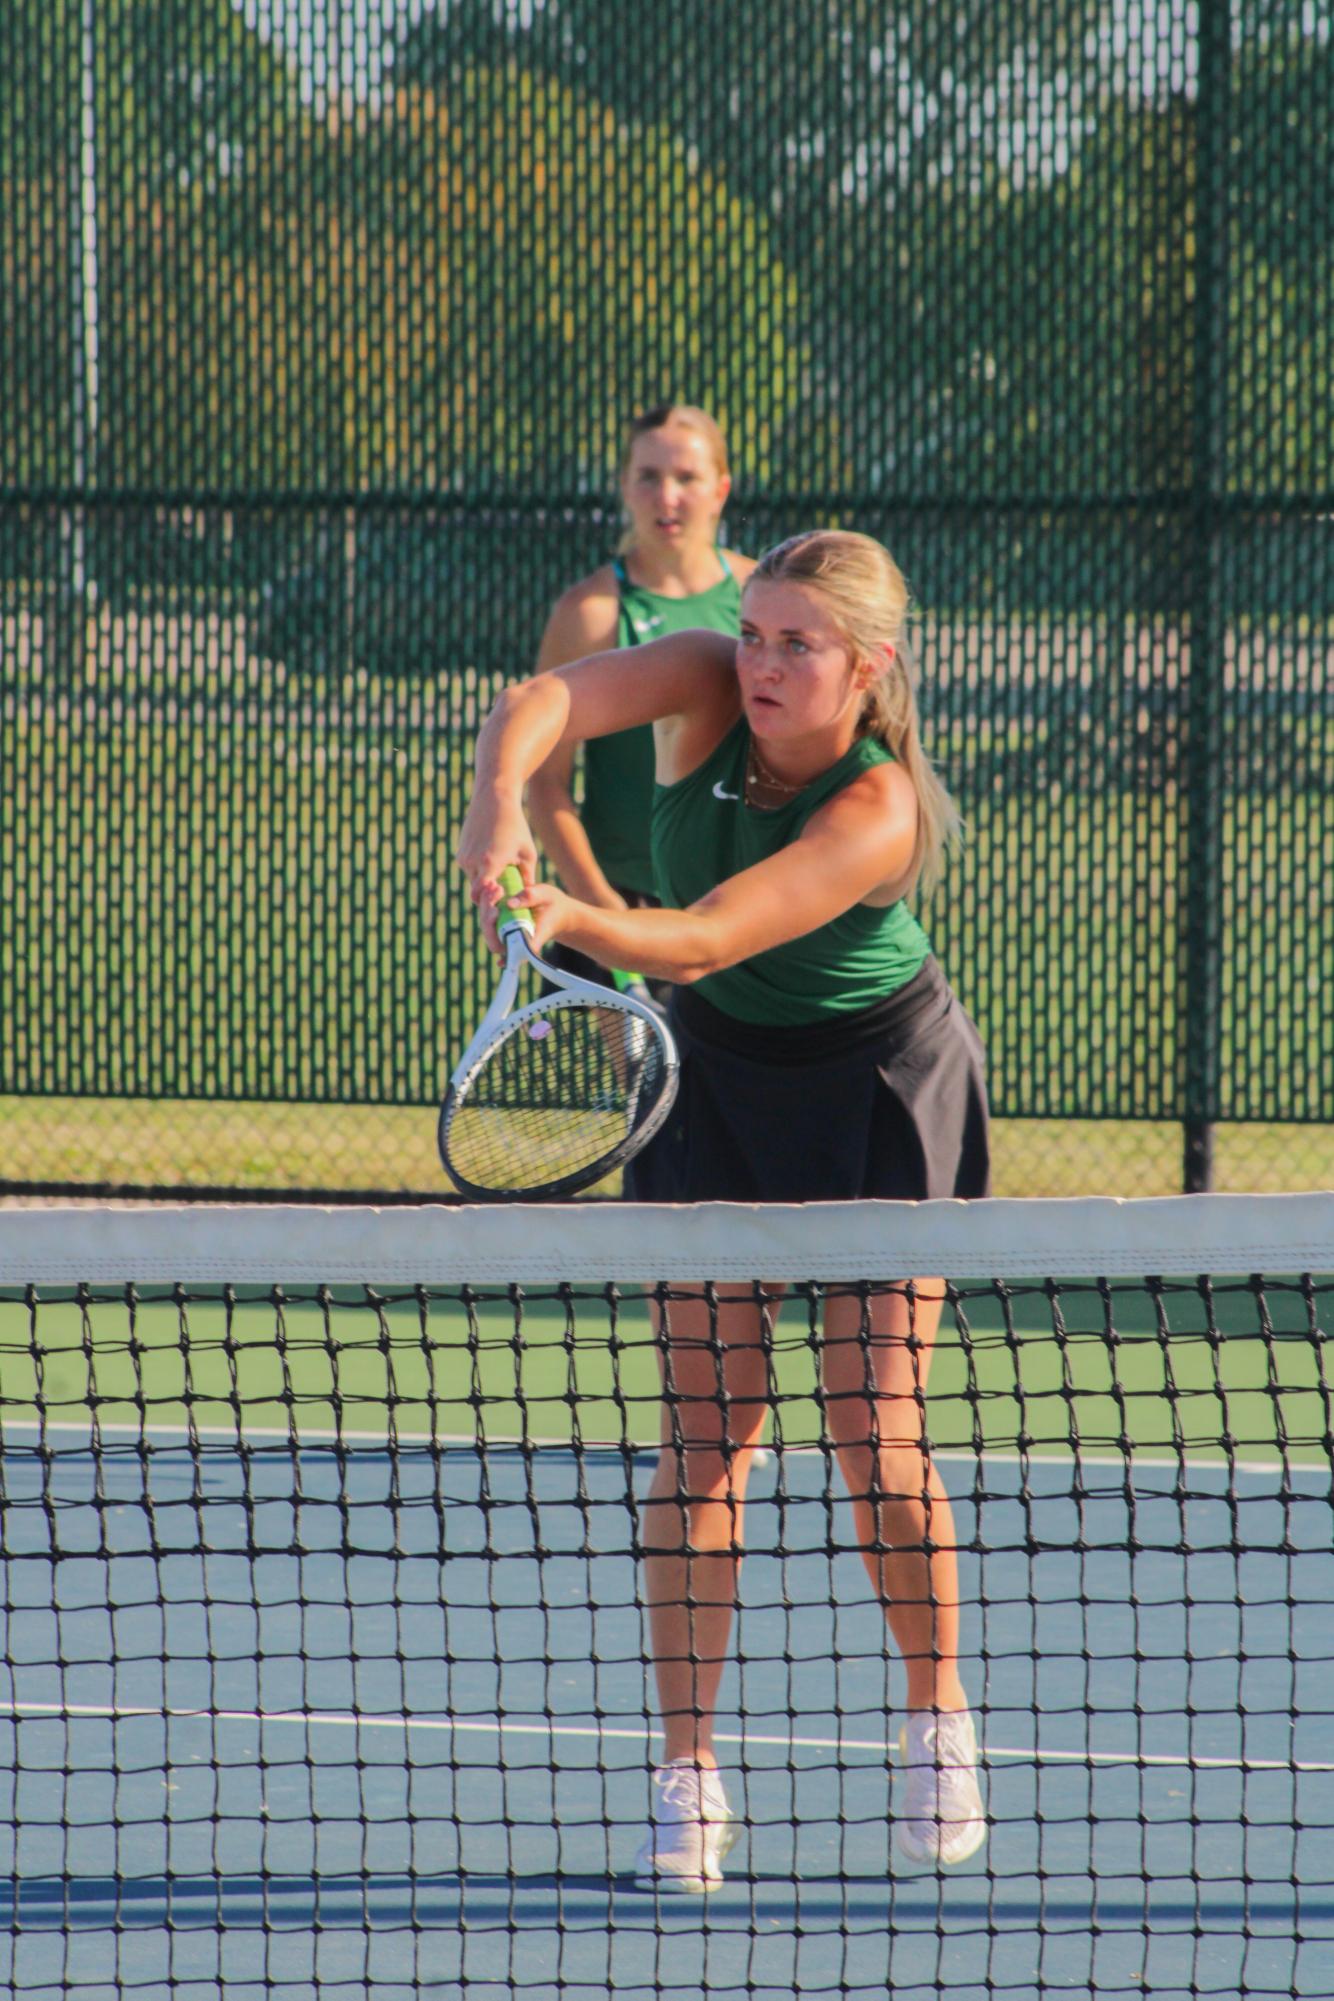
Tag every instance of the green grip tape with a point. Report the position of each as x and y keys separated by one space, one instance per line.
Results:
x=511 y=882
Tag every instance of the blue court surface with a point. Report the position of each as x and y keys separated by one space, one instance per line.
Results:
x=352 y=1722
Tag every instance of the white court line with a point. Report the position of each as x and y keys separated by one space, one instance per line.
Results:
x=337 y=1719
x=174 y=1437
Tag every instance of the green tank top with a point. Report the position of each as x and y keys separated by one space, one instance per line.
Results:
x=618 y=770
x=703 y=832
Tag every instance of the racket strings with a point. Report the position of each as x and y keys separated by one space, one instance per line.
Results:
x=561 y=1091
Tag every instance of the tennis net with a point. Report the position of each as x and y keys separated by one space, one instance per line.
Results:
x=327 y=1663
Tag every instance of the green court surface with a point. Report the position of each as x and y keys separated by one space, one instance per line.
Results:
x=1116 y=1369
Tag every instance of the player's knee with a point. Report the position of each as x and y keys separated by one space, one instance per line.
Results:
x=701 y=1526
x=875 y=1424
x=702 y=1476
x=885 y=1469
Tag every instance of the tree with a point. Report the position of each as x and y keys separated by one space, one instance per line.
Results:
x=430 y=293
x=39 y=81
x=990 y=214
x=1280 y=348
x=884 y=140
x=477 y=323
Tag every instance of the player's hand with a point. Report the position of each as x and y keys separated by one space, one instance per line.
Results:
x=549 y=908
x=493 y=836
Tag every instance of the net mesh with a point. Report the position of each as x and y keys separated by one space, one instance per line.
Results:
x=557 y=1098
x=328 y=1661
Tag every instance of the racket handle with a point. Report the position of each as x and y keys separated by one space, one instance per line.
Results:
x=511 y=882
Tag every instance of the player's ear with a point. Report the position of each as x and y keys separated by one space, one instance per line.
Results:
x=870 y=667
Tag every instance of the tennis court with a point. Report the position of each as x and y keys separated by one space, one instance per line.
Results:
x=332 y=1655
x=352 y=1686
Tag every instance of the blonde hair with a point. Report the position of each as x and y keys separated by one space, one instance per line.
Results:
x=657 y=418
x=660 y=415
x=862 y=588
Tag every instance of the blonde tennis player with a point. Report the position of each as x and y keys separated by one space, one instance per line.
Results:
x=823 y=1057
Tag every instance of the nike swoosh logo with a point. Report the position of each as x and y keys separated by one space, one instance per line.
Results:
x=718 y=792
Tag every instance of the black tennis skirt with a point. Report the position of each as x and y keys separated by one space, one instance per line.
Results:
x=888 y=1102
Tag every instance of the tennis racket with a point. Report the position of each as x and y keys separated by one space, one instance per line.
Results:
x=549 y=1097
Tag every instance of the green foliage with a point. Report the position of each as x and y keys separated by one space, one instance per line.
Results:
x=431 y=290
x=900 y=247
x=1280 y=349
x=184 y=99
x=993 y=212
x=38 y=138
x=193 y=108
x=499 y=326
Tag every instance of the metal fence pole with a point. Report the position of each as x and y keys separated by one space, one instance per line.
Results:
x=1203 y=776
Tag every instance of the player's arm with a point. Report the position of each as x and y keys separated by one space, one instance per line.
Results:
x=582 y=622
x=687 y=680
x=863 y=841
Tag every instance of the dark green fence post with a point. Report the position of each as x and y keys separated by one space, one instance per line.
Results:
x=1203 y=793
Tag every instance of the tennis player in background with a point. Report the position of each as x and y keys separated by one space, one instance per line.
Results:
x=669 y=575
x=823 y=1057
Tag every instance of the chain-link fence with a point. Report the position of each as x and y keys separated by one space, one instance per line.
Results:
x=318 y=326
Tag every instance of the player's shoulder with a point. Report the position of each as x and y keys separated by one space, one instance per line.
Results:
x=585 y=615
x=740 y=566
x=881 y=782
x=875 y=813
x=594 y=597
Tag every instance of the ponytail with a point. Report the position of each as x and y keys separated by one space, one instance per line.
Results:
x=890 y=716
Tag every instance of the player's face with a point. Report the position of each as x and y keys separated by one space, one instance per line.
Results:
x=794 y=666
x=673 y=489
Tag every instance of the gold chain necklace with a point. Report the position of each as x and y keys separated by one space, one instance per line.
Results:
x=758 y=773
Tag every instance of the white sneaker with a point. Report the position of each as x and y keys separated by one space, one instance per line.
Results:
x=943 y=1818
x=691 y=1831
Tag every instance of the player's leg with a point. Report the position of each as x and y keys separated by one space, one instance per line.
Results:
x=877 y=1358
x=715 y=1368
x=715 y=1372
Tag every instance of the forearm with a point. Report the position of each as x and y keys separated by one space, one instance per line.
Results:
x=513 y=743
x=523 y=728
x=676 y=945
x=556 y=822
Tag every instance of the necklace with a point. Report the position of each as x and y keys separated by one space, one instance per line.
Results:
x=758 y=773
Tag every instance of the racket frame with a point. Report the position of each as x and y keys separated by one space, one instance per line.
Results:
x=503 y=1016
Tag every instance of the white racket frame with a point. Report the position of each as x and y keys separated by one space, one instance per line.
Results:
x=502 y=1020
